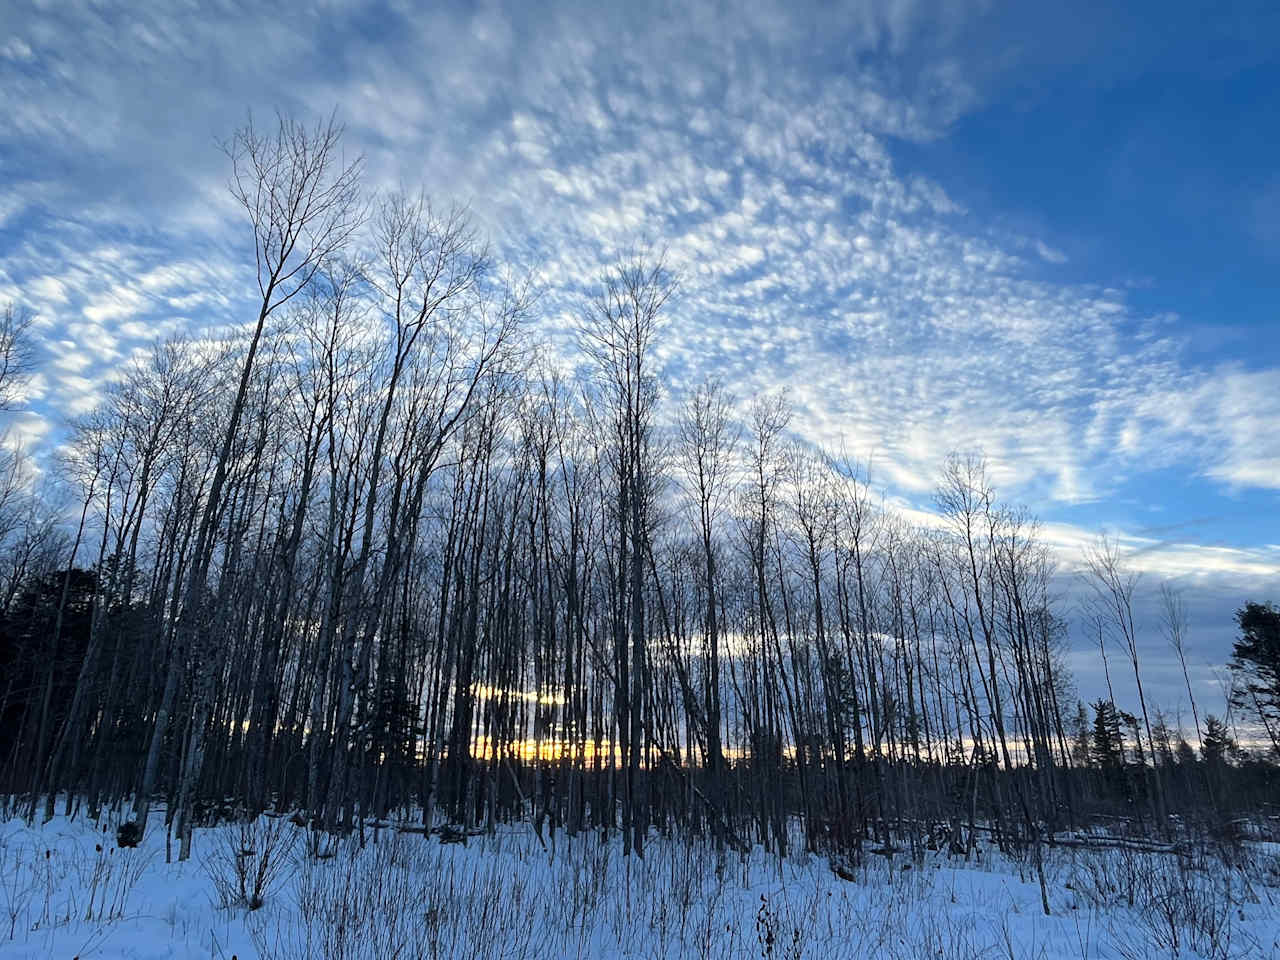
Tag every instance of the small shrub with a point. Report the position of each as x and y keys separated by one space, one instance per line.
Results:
x=247 y=863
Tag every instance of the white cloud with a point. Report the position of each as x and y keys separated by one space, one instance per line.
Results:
x=24 y=431
x=15 y=48
x=1049 y=254
x=49 y=289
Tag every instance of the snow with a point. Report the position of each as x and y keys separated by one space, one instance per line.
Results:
x=67 y=891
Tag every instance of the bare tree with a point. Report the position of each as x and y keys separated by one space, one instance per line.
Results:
x=302 y=202
x=1174 y=620
x=618 y=332
x=1113 y=587
x=707 y=440
x=17 y=352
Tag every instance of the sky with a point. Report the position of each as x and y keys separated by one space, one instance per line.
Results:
x=1051 y=236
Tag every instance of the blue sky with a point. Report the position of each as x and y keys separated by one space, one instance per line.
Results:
x=1050 y=236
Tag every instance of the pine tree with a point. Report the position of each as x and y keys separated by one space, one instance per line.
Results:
x=1108 y=745
x=1218 y=745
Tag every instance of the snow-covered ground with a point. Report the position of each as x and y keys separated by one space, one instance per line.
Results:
x=67 y=891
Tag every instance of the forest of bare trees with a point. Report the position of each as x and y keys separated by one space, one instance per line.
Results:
x=379 y=557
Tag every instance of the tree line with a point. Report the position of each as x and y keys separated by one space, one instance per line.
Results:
x=380 y=557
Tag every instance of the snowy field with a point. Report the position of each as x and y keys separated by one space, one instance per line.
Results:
x=67 y=891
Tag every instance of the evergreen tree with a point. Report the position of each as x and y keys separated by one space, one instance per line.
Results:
x=1107 y=749
x=1218 y=745
x=1256 y=661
